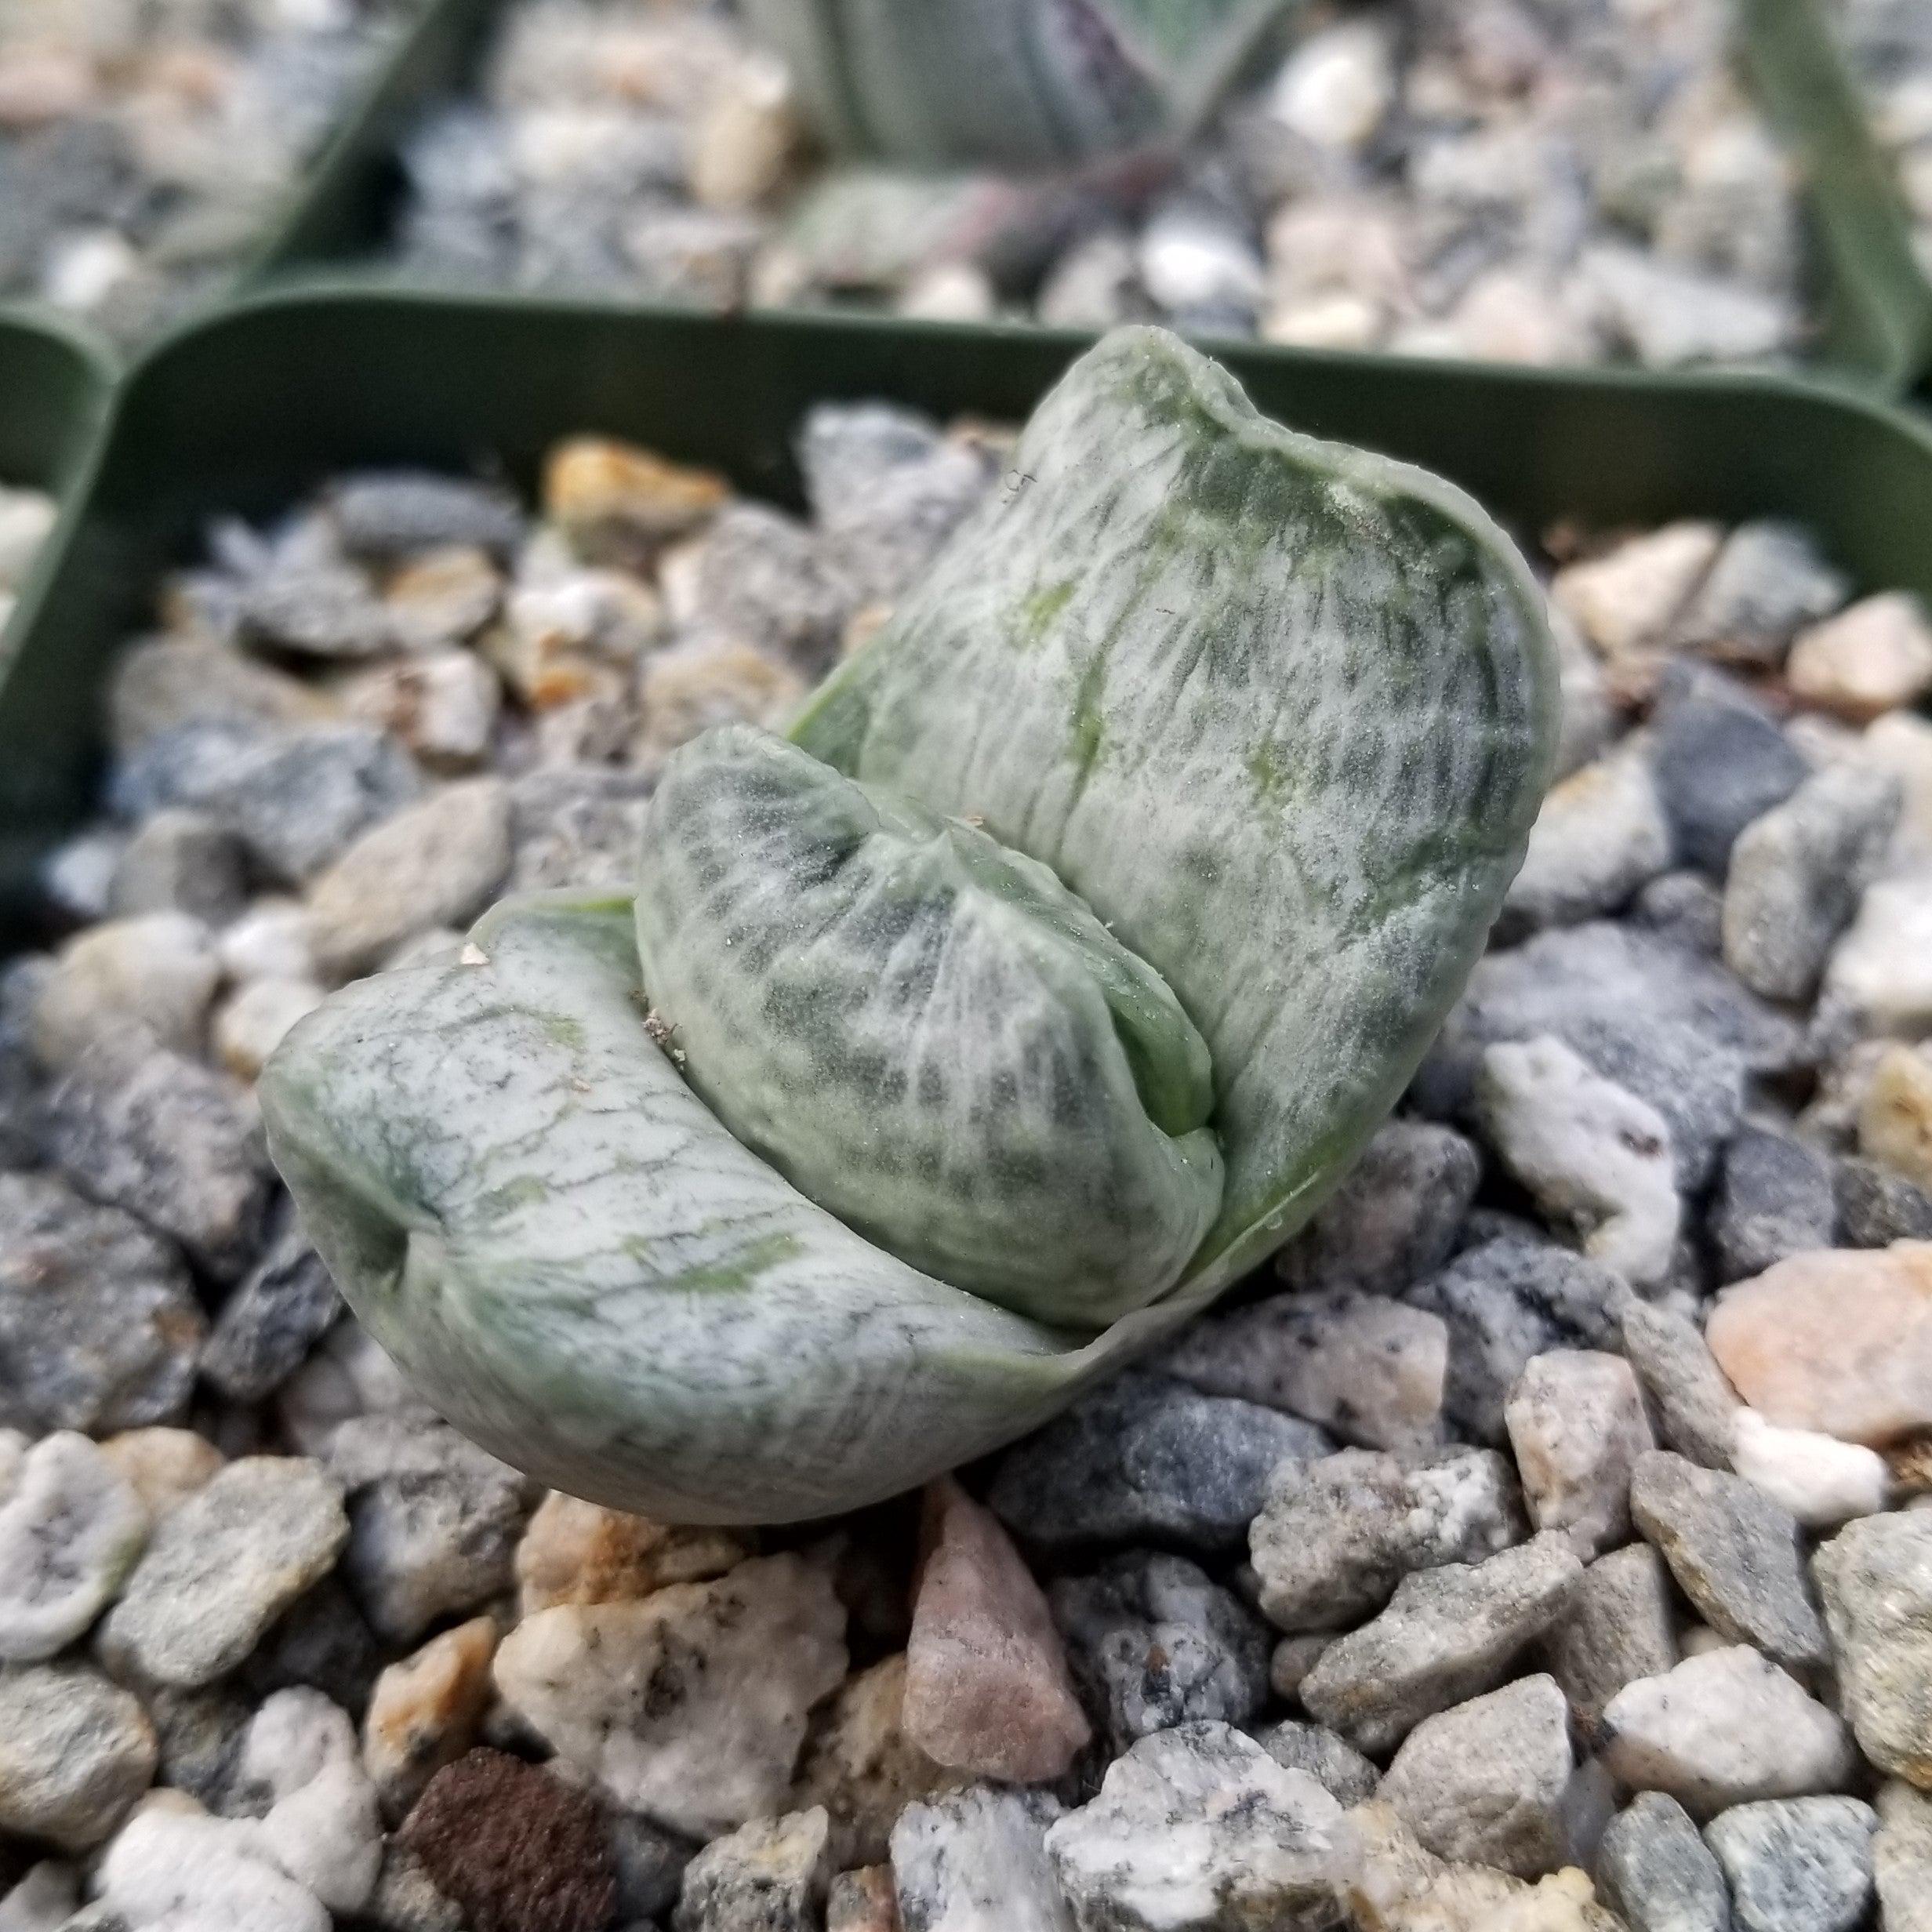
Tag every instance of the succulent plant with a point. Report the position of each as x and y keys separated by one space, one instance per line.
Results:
x=1012 y=83
x=956 y=1050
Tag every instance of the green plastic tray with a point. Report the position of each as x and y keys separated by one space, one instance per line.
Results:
x=247 y=411
x=1876 y=308
x=55 y=385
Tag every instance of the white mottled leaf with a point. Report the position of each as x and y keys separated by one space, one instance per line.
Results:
x=533 y=1214
x=924 y=1032
x=1280 y=711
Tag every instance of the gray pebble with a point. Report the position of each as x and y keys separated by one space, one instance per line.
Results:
x=1338 y=1535
x=1735 y=1553
x=1369 y=1369
x=1720 y=761
x=1332 y=1762
x=846 y=449
x=878 y=540
x=1264 y=1846
x=1694 y=1406
x=575 y=825
x=181 y=860
x=316 y=608
x=321 y=1642
x=1394 y=1218
x=100 y=1329
x=385 y=514
x=1876 y=1577
x=1618 y=1625
x=20 y=1100
x=1877 y=1206
x=760 y=580
x=1145 y=1459
x=1504 y=1302
x=299 y=802
x=434 y=863
x=185 y=763
x=974 y=1859
x=137 y=1127
x=1153 y=1643
x=75 y=1752
x=771 y=1873
x=223 y=1566
x=200 y=1731
x=650 y=1862
x=1685 y=909
x=1774 y=1198
x=1655 y=1869
x=1797 y=873
x=1669 y=1023
x=435 y=1520
x=1768 y=582
x=1448 y=1635
x=268 y=1324
x=1796 y=1865
x=1495 y=1782
x=1902 y=1857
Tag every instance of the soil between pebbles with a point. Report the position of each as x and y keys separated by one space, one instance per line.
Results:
x=1542 y=1543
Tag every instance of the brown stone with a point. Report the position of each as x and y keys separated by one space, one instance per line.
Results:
x=517 y=1849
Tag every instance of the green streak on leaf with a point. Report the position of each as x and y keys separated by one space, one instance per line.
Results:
x=757 y=1259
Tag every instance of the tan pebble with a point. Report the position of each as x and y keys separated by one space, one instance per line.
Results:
x=861 y=1765
x=746 y=136
x=1895 y=1118
x=574 y=1552
x=1838 y=1341
x=424 y=1712
x=1873 y=658
x=444 y=596
x=692 y=687
x=613 y=499
x=1625 y=600
x=165 y=1466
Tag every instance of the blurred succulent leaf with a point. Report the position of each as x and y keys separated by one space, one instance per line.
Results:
x=1011 y=83
x=924 y=1032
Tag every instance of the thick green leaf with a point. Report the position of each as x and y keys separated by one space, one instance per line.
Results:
x=924 y=1032
x=1011 y=83
x=1281 y=712
x=533 y=1213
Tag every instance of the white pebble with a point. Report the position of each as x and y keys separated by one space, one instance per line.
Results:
x=1823 y=1482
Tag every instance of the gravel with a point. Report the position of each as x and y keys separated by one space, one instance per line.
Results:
x=1261 y=1624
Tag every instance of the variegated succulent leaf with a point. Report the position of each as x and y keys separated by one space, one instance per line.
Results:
x=530 y=1208
x=1281 y=712
x=926 y=1034
x=1276 y=713
x=1010 y=83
